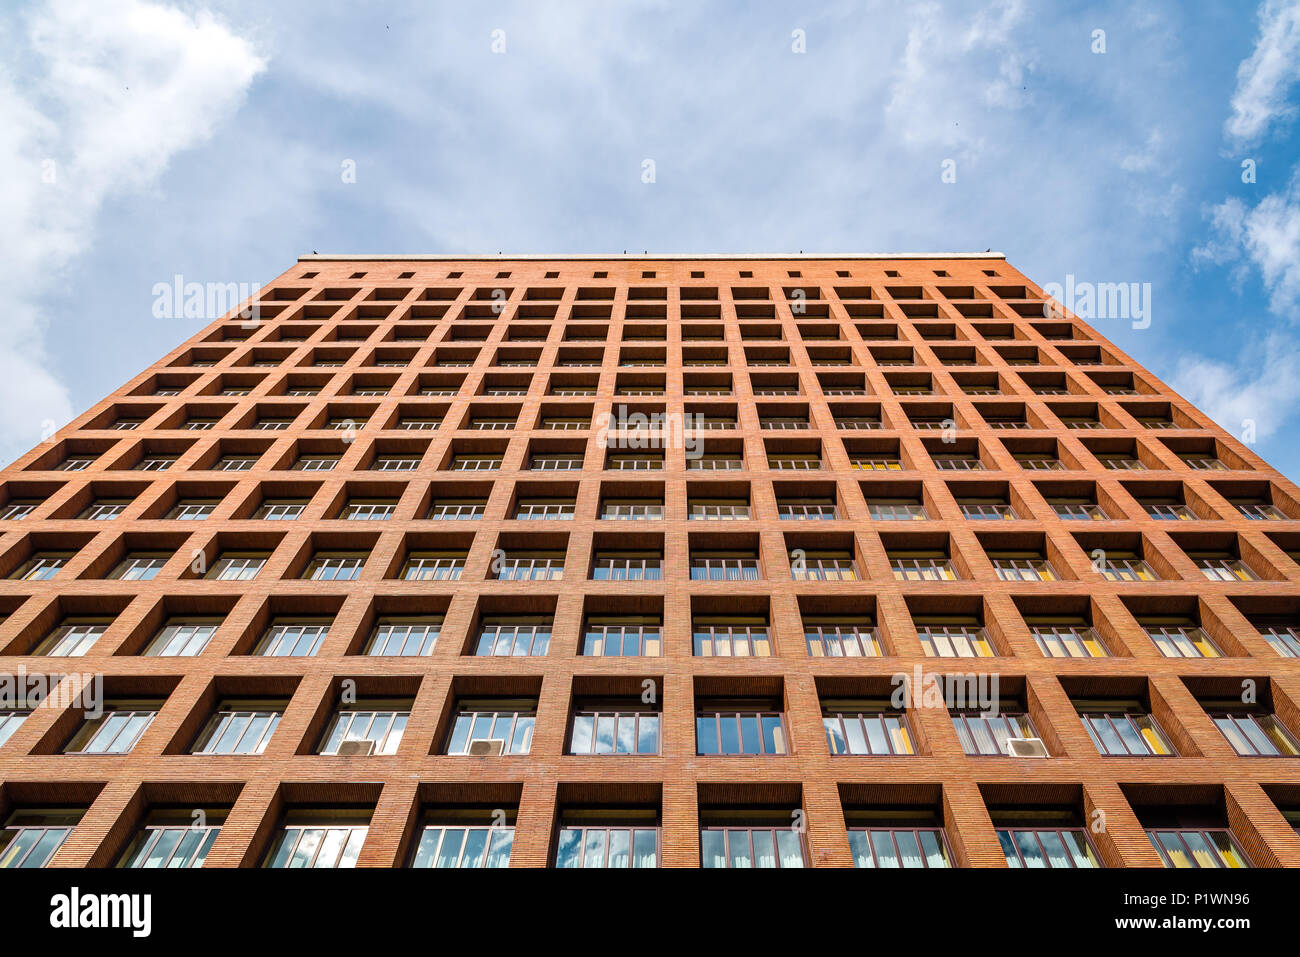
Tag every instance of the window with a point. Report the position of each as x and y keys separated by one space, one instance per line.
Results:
x=592 y=839
x=876 y=464
x=456 y=509
x=192 y=510
x=1078 y=510
x=335 y=566
x=1284 y=638
x=105 y=510
x=475 y=463
x=617 y=729
x=513 y=637
x=319 y=839
x=987 y=509
x=715 y=463
x=627 y=566
x=1168 y=510
x=72 y=638
x=632 y=508
x=841 y=638
x=555 y=463
x=746 y=846
x=1258 y=511
x=281 y=510
x=625 y=637
x=896 y=510
x=543 y=508
x=794 y=462
x=954 y=640
x=982 y=733
x=236 y=566
x=1022 y=567
x=731 y=638
x=1180 y=638
x=115 y=731
x=396 y=463
x=1067 y=638
x=1196 y=847
x=866 y=727
x=470 y=839
x=31 y=836
x=182 y=638
x=404 y=637
x=822 y=566
x=1038 y=841
x=140 y=566
x=433 y=566
x=1252 y=733
x=234 y=463
x=1121 y=566
x=239 y=727
x=155 y=463
x=922 y=566
x=633 y=463
x=500 y=727
x=1121 y=462
x=724 y=566
x=812 y=508
x=1223 y=567
x=42 y=566
x=1124 y=729
x=11 y=721
x=292 y=638
x=723 y=509
x=531 y=566
x=316 y=463
x=889 y=842
x=370 y=727
x=172 y=840
x=739 y=732
x=1040 y=463
x=368 y=510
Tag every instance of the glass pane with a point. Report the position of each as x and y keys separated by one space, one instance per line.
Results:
x=499 y=851
x=713 y=849
x=738 y=848
x=764 y=848
x=1030 y=852
x=860 y=846
x=882 y=843
x=909 y=848
x=645 y=848
x=790 y=848
x=569 y=847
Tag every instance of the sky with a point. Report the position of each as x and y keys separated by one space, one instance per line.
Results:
x=1153 y=144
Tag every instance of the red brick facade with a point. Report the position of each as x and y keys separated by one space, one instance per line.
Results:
x=672 y=335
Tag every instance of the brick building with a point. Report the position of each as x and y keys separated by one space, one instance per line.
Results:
x=372 y=580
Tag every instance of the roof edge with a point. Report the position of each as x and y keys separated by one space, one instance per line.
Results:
x=612 y=257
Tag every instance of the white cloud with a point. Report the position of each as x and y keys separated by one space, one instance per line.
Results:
x=1266 y=76
x=112 y=90
x=1266 y=236
x=949 y=73
x=1262 y=386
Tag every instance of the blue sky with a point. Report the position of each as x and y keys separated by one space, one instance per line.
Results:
x=147 y=139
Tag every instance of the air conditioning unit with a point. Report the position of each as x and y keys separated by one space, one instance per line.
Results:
x=356 y=747
x=1026 y=748
x=481 y=747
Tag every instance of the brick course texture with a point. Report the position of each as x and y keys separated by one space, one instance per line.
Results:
x=361 y=340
